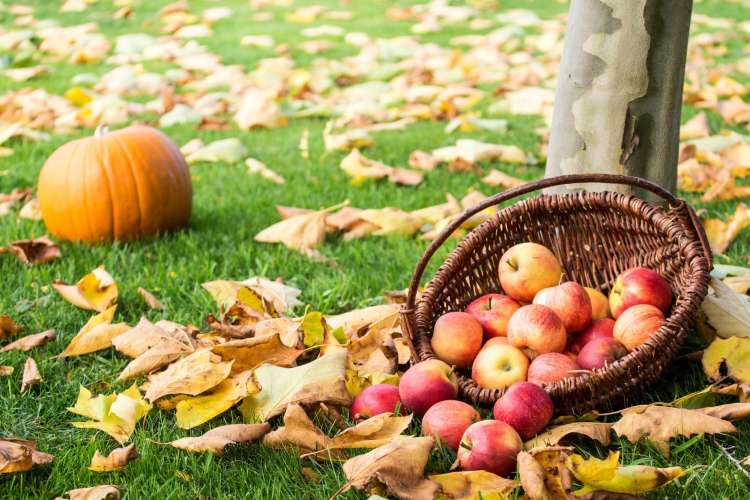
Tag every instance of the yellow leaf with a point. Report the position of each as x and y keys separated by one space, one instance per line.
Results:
x=727 y=311
x=192 y=412
x=733 y=354
x=472 y=485
x=116 y=460
x=357 y=381
x=78 y=96
x=96 y=291
x=216 y=439
x=191 y=375
x=96 y=334
x=721 y=233
x=115 y=414
x=249 y=353
x=354 y=321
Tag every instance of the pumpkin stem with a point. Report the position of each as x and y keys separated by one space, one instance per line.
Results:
x=101 y=130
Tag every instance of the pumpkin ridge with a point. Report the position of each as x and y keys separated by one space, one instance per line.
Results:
x=68 y=173
x=103 y=163
x=131 y=165
x=156 y=143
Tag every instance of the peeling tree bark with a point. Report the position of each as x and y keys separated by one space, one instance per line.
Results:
x=619 y=92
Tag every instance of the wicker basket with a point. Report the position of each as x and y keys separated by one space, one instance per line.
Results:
x=595 y=235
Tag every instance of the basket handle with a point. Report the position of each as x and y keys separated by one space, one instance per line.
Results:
x=543 y=184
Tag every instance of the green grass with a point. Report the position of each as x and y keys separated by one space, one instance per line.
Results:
x=229 y=209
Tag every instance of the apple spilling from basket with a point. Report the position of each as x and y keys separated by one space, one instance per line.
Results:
x=539 y=332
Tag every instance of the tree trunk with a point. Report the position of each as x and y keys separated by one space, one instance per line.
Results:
x=619 y=91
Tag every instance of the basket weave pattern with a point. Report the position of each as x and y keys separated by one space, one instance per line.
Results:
x=595 y=236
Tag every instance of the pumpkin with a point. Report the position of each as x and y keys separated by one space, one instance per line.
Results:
x=119 y=185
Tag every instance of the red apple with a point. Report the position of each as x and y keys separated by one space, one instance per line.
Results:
x=526 y=408
x=495 y=341
x=551 y=367
x=570 y=302
x=526 y=268
x=597 y=329
x=499 y=365
x=600 y=352
x=374 y=400
x=493 y=312
x=448 y=420
x=637 y=324
x=457 y=338
x=599 y=303
x=538 y=328
x=490 y=445
x=425 y=384
x=639 y=285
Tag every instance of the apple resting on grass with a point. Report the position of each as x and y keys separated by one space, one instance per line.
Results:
x=493 y=312
x=457 y=338
x=639 y=285
x=599 y=303
x=551 y=367
x=425 y=384
x=490 y=445
x=600 y=352
x=374 y=400
x=526 y=408
x=597 y=329
x=638 y=324
x=499 y=365
x=448 y=420
x=526 y=268
x=570 y=302
x=538 y=328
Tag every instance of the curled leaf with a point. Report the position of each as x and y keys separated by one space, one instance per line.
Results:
x=116 y=460
x=257 y=167
x=36 y=251
x=96 y=291
x=102 y=492
x=721 y=233
x=215 y=440
x=21 y=455
x=250 y=353
x=29 y=342
x=96 y=334
x=115 y=414
x=598 y=431
x=149 y=299
x=31 y=375
x=191 y=375
x=728 y=357
x=470 y=485
x=8 y=327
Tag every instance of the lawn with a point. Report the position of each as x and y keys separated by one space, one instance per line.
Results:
x=230 y=207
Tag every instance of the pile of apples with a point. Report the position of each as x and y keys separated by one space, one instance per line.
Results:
x=541 y=332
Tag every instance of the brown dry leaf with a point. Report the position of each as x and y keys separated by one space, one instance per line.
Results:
x=721 y=233
x=215 y=440
x=695 y=127
x=358 y=320
x=95 y=335
x=102 y=492
x=192 y=412
x=6 y=371
x=116 y=414
x=534 y=479
x=36 y=251
x=471 y=485
x=659 y=424
x=31 y=375
x=728 y=357
x=116 y=460
x=20 y=455
x=8 y=327
x=145 y=335
x=389 y=221
x=730 y=411
x=375 y=350
x=727 y=311
x=299 y=432
x=96 y=291
x=398 y=467
x=149 y=299
x=191 y=375
x=301 y=232
x=276 y=297
x=247 y=354
x=167 y=350
x=29 y=342
x=423 y=160
x=598 y=431
x=257 y=167
x=746 y=461
x=496 y=178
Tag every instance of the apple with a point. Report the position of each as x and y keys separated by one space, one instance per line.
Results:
x=526 y=268
x=425 y=384
x=374 y=400
x=495 y=341
x=457 y=338
x=499 y=365
x=526 y=408
x=570 y=302
x=599 y=303
x=551 y=367
x=490 y=445
x=448 y=420
x=600 y=352
x=597 y=329
x=493 y=312
x=639 y=285
x=637 y=324
x=537 y=327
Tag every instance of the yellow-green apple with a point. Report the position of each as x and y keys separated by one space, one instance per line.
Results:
x=537 y=327
x=448 y=420
x=374 y=400
x=637 y=324
x=525 y=407
x=570 y=302
x=599 y=303
x=551 y=367
x=457 y=338
x=597 y=329
x=493 y=312
x=499 y=365
x=490 y=445
x=600 y=352
x=526 y=268
x=425 y=384
x=639 y=285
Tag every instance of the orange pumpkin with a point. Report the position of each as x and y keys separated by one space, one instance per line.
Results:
x=119 y=185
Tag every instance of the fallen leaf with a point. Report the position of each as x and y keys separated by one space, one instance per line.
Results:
x=29 y=342
x=398 y=467
x=301 y=233
x=167 y=350
x=116 y=414
x=6 y=371
x=191 y=375
x=357 y=381
x=471 y=485
x=279 y=296
x=475 y=151
x=729 y=411
x=257 y=109
x=96 y=334
x=149 y=299
x=102 y=492
x=298 y=432
x=608 y=475
x=21 y=455
x=145 y=335
x=228 y=150
x=322 y=380
x=192 y=412
x=496 y=178
x=728 y=357
x=215 y=440
x=31 y=375
x=423 y=160
x=96 y=291
x=248 y=354
x=727 y=311
x=721 y=233
x=360 y=168
x=23 y=74
x=257 y=167
x=346 y=140
x=540 y=482
x=8 y=327
x=598 y=431
x=358 y=319
x=36 y=251
x=695 y=127
x=116 y=460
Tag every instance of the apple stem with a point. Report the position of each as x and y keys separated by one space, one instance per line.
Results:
x=489 y=303
x=465 y=445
